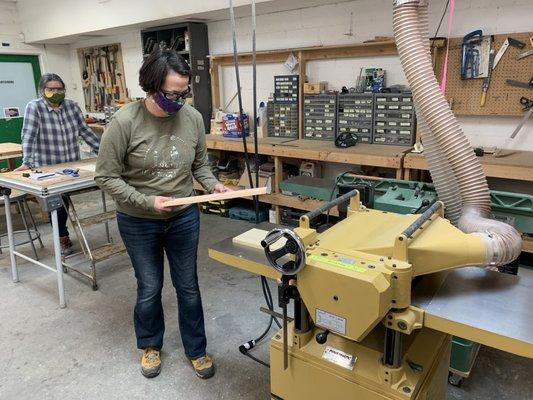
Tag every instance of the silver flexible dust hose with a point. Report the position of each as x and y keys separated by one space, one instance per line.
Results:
x=446 y=137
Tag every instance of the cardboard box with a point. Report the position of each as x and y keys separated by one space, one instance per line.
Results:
x=315 y=88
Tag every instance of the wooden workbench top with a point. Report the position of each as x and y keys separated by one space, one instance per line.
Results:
x=46 y=183
x=513 y=164
x=8 y=150
x=318 y=150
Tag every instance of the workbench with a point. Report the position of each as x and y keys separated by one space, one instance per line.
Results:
x=513 y=164
x=384 y=156
x=48 y=192
x=97 y=128
x=9 y=152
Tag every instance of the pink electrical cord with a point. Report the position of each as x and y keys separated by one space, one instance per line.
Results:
x=445 y=67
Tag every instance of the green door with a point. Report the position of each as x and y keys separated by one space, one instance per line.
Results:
x=19 y=77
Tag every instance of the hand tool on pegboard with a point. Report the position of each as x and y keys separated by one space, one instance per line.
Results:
x=475 y=55
x=486 y=80
x=508 y=42
x=524 y=54
x=527 y=85
x=528 y=108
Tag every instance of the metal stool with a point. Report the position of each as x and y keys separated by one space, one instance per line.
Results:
x=32 y=234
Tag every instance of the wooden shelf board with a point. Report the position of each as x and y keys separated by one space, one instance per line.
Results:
x=313 y=53
x=512 y=165
x=362 y=154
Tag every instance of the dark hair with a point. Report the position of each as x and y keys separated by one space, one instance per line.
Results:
x=48 y=78
x=156 y=67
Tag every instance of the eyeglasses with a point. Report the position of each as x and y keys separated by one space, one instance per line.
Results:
x=177 y=95
x=55 y=90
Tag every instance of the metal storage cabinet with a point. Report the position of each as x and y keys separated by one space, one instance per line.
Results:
x=394 y=119
x=320 y=116
x=355 y=113
x=286 y=89
x=282 y=120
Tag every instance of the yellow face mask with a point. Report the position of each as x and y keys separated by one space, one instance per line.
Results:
x=54 y=96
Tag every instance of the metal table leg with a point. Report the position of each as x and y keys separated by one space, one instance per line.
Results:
x=57 y=254
x=11 y=238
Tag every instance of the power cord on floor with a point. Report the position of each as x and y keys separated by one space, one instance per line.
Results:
x=246 y=347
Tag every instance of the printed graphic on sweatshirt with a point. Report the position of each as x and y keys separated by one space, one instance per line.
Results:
x=166 y=158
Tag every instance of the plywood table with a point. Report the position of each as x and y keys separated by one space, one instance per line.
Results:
x=513 y=164
x=48 y=192
x=9 y=152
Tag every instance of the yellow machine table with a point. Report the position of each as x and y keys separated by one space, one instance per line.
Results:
x=376 y=300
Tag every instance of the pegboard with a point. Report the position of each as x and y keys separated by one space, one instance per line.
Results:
x=502 y=99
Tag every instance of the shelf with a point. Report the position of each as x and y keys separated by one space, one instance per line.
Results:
x=370 y=49
x=363 y=154
x=513 y=164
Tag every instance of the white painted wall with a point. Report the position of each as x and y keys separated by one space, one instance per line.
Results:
x=301 y=26
x=327 y=25
x=53 y=58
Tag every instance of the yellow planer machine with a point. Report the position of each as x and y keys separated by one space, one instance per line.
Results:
x=376 y=299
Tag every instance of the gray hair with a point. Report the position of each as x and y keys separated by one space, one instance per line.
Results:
x=48 y=78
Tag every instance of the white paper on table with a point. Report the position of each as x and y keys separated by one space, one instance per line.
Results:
x=88 y=167
x=41 y=176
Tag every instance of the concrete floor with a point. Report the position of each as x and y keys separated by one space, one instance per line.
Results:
x=87 y=350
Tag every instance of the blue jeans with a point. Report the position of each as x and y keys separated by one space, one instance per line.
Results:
x=146 y=241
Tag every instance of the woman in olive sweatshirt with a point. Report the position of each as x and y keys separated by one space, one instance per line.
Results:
x=150 y=153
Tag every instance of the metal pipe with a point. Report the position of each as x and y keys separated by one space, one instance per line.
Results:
x=11 y=239
x=239 y=96
x=57 y=254
x=311 y=215
x=254 y=105
x=33 y=261
x=422 y=219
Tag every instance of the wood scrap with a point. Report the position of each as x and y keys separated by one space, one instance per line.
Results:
x=216 y=196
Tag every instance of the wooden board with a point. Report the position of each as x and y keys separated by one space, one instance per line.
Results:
x=502 y=99
x=216 y=196
x=252 y=238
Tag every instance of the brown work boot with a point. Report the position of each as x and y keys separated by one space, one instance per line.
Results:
x=204 y=367
x=66 y=246
x=151 y=362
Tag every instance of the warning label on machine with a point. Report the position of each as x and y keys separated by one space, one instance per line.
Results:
x=338 y=357
x=330 y=321
x=336 y=263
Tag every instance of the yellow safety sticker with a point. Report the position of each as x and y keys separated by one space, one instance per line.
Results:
x=336 y=263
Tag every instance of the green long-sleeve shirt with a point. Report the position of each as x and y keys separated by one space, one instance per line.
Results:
x=142 y=156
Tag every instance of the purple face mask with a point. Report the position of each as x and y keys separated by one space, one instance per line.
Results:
x=169 y=106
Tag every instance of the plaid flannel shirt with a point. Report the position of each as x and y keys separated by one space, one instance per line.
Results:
x=50 y=136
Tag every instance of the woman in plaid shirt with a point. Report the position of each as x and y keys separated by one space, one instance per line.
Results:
x=52 y=126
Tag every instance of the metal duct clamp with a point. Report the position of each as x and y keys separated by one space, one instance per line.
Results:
x=288 y=259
